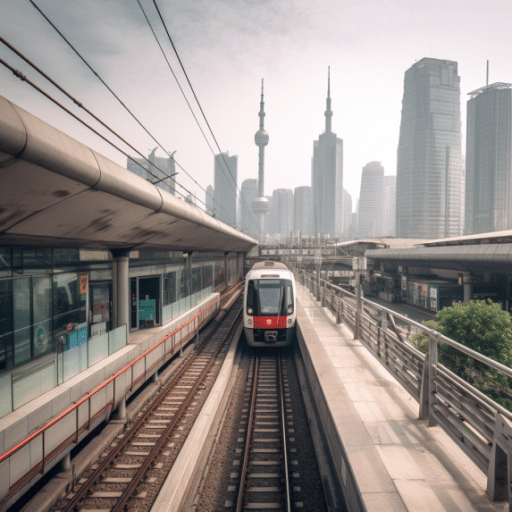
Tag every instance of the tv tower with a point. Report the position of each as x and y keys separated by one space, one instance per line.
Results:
x=260 y=203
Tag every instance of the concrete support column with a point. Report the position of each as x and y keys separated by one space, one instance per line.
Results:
x=120 y=412
x=65 y=463
x=467 y=282
x=120 y=288
x=226 y=270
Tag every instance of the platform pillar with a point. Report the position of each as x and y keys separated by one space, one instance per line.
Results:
x=226 y=277
x=120 y=288
x=467 y=282
x=65 y=463
x=120 y=412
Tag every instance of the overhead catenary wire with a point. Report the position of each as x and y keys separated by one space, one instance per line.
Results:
x=196 y=98
x=79 y=104
x=23 y=77
x=129 y=111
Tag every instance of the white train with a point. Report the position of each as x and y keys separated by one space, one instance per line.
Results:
x=270 y=309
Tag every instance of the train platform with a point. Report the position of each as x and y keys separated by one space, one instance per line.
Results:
x=387 y=458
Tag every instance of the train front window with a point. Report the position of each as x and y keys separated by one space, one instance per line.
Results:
x=269 y=297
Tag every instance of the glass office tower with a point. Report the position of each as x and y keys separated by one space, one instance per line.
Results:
x=430 y=177
x=488 y=160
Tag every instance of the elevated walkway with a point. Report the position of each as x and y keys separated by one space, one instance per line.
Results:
x=387 y=458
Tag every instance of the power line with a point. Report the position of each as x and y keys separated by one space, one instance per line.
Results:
x=74 y=100
x=196 y=98
x=127 y=109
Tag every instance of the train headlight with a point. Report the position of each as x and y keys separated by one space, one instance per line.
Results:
x=249 y=311
x=249 y=321
x=289 y=320
x=290 y=311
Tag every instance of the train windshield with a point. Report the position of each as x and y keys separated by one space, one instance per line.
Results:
x=270 y=297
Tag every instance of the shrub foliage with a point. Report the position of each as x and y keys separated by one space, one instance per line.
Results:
x=484 y=327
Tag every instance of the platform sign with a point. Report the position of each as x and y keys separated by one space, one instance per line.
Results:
x=147 y=309
x=84 y=283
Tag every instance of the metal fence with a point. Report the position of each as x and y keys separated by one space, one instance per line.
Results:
x=478 y=425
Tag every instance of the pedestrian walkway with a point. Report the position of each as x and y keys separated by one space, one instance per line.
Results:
x=400 y=464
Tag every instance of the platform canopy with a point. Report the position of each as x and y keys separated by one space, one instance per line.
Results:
x=54 y=191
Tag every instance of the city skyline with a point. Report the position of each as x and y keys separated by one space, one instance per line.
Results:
x=227 y=49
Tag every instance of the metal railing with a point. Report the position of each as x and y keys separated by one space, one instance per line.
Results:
x=479 y=426
x=84 y=412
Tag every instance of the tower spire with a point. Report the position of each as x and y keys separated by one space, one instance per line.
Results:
x=260 y=204
x=328 y=111
x=262 y=108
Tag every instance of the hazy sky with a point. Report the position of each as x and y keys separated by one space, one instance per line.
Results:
x=227 y=47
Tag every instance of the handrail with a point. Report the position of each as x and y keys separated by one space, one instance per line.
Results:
x=439 y=336
x=105 y=383
x=468 y=416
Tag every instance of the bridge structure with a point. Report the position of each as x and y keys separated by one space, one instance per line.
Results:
x=104 y=278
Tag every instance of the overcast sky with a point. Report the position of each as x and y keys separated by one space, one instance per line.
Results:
x=227 y=47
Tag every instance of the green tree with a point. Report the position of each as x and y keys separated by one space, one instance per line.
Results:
x=484 y=327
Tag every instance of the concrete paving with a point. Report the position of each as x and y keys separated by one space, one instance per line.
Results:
x=400 y=463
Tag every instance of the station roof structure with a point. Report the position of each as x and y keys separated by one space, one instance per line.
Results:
x=484 y=252
x=56 y=192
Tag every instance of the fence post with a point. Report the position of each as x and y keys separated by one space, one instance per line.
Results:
x=339 y=305
x=432 y=365
x=382 y=333
x=499 y=475
x=359 y=305
x=423 y=415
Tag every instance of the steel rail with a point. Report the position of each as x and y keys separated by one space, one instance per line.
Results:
x=82 y=492
x=282 y=409
x=248 y=435
x=132 y=486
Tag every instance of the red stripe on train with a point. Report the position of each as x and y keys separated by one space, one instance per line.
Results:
x=269 y=322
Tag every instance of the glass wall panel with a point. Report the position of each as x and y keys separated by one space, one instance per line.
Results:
x=42 y=311
x=5 y=261
x=169 y=288
x=6 y=348
x=22 y=323
x=196 y=279
x=69 y=308
x=100 y=308
x=37 y=258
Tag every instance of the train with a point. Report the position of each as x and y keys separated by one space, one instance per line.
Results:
x=270 y=311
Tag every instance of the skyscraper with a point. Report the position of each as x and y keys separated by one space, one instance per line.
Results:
x=248 y=222
x=489 y=160
x=225 y=173
x=303 y=211
x=209 y=200
x=281 y=213
x=429 y=169
x=156 y=170
x=371 y=197
x=389 y=206
x=347 y=213
x=327 y=177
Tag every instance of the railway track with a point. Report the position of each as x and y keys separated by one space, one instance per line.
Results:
x=264 y=477
x=130 y=475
